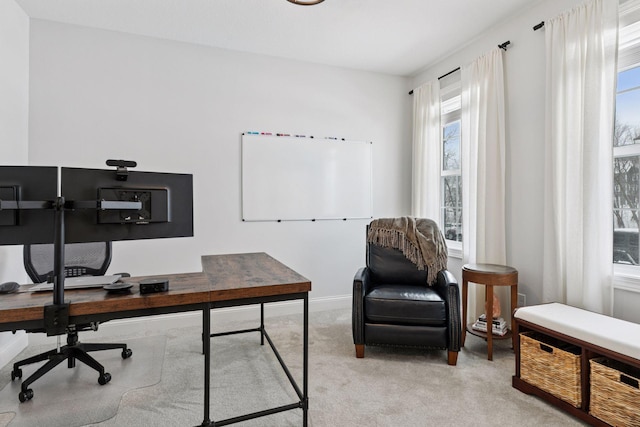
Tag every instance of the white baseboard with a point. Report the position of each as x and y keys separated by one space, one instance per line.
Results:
x=12 y=345
x=157 y=324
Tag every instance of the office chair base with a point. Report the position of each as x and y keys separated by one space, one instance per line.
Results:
x=23 y=396
x=27 y=394
x=69 y=353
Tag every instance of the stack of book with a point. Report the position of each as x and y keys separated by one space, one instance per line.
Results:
x=499 y=326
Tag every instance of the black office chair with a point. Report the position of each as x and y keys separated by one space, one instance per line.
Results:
x=81 y=259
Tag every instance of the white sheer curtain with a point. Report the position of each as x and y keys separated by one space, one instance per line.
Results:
x=483 y=166
x=483 y=159
x=425 y=200
x=581 y=49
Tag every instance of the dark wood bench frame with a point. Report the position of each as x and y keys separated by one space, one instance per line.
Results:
x=589 y=351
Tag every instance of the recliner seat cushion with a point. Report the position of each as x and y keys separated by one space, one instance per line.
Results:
x=405 y=304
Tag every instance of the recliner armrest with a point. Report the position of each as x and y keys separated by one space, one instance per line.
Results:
x=361 y=282
x=448 y=288
x=446 y=278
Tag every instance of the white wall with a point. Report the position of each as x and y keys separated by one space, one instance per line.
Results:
x=179 y=107
x=524 y=64
x=14 y=115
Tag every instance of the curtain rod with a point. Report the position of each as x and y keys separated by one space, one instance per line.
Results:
x=537 y=27
x=450 y=72
x=441 y=77
x=502 y=46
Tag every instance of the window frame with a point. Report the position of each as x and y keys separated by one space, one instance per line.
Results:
x=627 y=277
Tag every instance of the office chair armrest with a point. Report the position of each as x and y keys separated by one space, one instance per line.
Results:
x=360 y=287
x=448 y=288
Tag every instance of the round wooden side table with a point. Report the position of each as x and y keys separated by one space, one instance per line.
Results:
x=489 y=275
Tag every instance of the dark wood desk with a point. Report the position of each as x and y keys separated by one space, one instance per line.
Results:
x=24 y=310
x=257 y=278
x=226 y=281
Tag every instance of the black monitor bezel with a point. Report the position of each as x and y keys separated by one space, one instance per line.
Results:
x=35 y=184
x=82 y=225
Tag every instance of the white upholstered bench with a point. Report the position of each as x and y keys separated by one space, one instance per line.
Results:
x=594 y=334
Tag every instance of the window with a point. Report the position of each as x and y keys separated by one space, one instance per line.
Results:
x=450 y=171
x=626 y=168
x=626 y=140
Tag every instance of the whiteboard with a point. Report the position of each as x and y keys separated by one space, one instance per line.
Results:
x=299 y=178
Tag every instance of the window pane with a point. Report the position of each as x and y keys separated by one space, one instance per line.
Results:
x=452 y=207
x=451 y=146
x=625 y=245
x=625 y=190
x=628 y=79
x=626 y=170
x=627 y=126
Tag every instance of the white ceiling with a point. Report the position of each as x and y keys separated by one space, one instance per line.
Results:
x=397 y=37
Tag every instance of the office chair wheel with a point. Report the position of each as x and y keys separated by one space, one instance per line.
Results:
x=23 y=396
x=104 y=378
x=16 y=373
x=126 y=353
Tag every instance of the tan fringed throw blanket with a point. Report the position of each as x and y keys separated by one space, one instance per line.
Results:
x=419 y=239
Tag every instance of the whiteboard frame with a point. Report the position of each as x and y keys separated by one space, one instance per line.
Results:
x=289 y=178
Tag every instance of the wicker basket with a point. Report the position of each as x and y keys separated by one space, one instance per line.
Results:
x=615 y=392
x=551 y=365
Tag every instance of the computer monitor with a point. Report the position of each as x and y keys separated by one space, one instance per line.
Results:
x=26 y=197
x=166 y=205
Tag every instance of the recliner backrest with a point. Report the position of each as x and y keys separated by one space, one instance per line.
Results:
x=390 y=266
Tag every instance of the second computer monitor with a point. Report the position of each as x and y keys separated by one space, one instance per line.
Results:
x=165 y=200
x=27 y=194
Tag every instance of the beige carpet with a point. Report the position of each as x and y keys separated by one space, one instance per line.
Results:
x=389 y=387
x=72 y=397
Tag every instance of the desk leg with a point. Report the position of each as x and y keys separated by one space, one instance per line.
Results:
x=261 y=323
x=305 y=362
x=206 y=343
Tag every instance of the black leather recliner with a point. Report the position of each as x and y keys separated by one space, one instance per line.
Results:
x=392 y=305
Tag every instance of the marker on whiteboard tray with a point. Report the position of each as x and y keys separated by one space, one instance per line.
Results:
x=300 y=136
x=253 y=133
x=282 y=134
x=265 y=133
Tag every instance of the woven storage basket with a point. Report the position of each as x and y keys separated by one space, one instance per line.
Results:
x=551 y=365
x=615 y=392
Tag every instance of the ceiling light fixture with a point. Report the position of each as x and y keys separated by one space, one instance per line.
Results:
x=305 y=3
